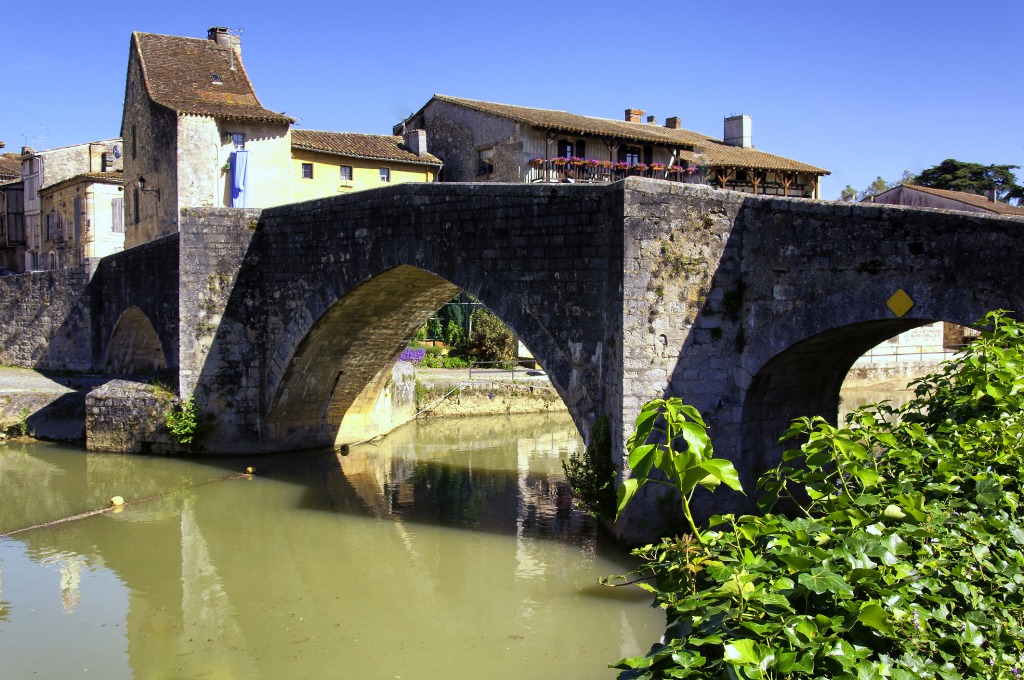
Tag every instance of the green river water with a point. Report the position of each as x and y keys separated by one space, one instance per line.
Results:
x=449 y=549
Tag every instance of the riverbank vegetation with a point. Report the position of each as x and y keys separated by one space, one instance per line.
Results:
x=488 y=341
x=888 y=547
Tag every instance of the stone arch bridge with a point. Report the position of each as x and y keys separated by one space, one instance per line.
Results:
x=751 y=308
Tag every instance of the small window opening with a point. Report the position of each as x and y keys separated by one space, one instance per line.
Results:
x=346 y=173
x=385 y=174
x=307 y=171
x=216 y=79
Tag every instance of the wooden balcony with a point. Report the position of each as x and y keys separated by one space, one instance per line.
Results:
x=587 y=171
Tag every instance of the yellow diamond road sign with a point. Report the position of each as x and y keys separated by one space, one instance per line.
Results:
x=900 y=303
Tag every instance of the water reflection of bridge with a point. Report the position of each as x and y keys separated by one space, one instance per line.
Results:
x=217 y=578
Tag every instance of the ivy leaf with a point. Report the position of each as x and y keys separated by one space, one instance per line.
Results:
x=820 y=580
x=872 y=614
x=742 y=652
x=989 y=492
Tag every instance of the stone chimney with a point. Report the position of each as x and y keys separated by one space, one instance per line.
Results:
x=634 y=115
x=416 y=142
x=737 y=131
x=652 y=120
x=221 y=36
x=990 y=194
x=673 y=123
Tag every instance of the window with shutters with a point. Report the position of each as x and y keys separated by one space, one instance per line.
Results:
x=629 y=154
x=565 y=148
x=117 y=216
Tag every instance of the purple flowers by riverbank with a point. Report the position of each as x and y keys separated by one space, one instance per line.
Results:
x=414 y=356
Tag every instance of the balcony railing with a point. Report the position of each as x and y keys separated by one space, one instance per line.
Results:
x=583 y=170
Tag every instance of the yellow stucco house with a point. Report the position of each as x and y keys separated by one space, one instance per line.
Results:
x=331 y=163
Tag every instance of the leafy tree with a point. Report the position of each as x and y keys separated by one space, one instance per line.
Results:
x=491 y=339
x=848 y=194
x=901 y=553
x=973 y=178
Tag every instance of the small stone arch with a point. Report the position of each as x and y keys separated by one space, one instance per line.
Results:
x=804 y=380
x=134 y=347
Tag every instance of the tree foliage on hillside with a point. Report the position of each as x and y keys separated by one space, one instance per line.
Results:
x=973 y=178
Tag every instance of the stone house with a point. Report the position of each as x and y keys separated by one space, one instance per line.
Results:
x=196 y=134
x=41 y=169
x=83 y=218
x=12 y=225
x=10 y=167
x=330 y=163
x=925 y=197
x=488 y=142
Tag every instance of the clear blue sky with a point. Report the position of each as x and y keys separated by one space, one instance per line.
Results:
x=859 y=88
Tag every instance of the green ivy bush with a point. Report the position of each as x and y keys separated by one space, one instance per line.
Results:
x=899 y=555
x=184 y=424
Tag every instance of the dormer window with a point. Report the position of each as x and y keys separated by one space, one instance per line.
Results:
x=216 y=79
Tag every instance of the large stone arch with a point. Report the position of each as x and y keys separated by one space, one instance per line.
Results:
x=330 y=378
x=134 y=347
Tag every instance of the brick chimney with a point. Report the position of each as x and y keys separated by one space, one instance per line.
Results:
x=221 y=36
x=634 y=115
x=652 y=120
x=673 y=123
x=737 y=131
x=416 y=141
x=990 y=194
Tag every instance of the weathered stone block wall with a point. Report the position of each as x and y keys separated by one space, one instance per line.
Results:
x=456 y=134
x=213 y=246
x=150 y=152
x=145 y=277
x=127 y=417
x=45 y=320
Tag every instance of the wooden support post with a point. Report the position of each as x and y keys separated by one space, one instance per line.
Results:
x=787 y=179
x=755 y=179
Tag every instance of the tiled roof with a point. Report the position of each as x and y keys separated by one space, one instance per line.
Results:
x=376 y=147
x=179 y=73
x=104 y=177
x=971 y=199
x=715 y=152
x=10 y=166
